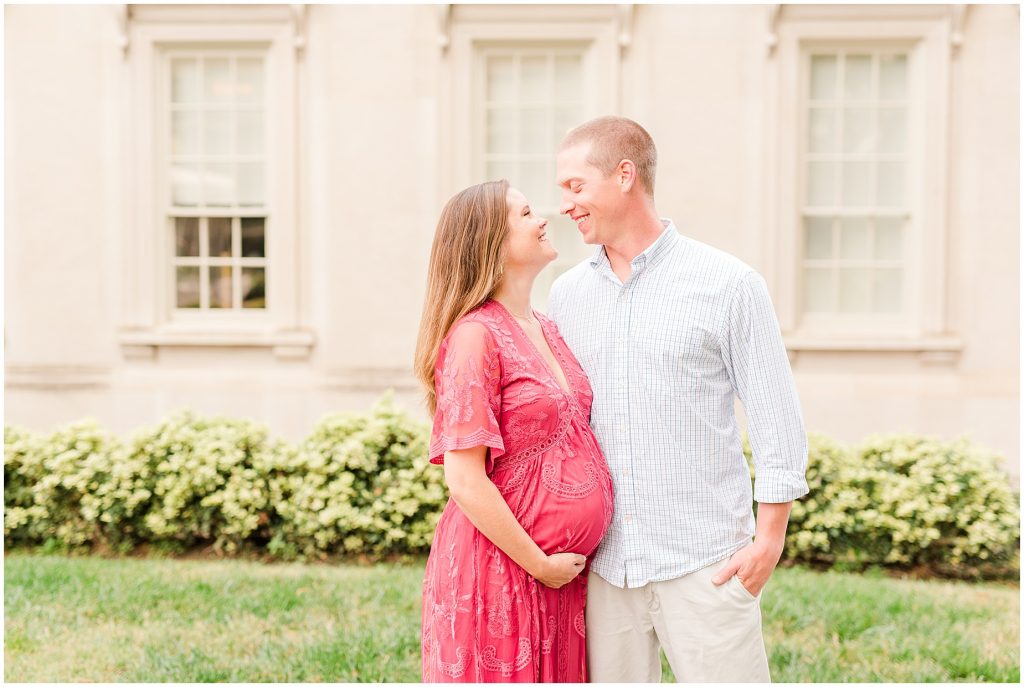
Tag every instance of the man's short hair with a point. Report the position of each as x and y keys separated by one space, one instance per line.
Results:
x=614 y=139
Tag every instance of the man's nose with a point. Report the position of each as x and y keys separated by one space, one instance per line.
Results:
x=566 y=206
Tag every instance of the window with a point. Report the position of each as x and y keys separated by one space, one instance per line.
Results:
x=855 y=206
x=215 y=172
x=530 y=97
x=211 y=239
x=857 y=110
x=521 y=77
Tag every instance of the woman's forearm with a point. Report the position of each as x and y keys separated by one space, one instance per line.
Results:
x=485 y=507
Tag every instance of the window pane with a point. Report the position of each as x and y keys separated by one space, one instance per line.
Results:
x=501 y=131
x=254 y=286
x=250 y=132
x=891 y=182
x=568 y=78
x=187 y=287
x=892 y=130
x=217 y=133
x=854 y=239
x=822 y=130
x=888 y=238
x=253 y=237
x=823 y=77
x=185 y=133
x=854 y=290
x=856 y=184
x=503 y=170
x=857 y=78
x=217 y=80
x=857 y=130
x=184 y=184
x=250 y=80
x=534 y=83
x=186 y=237
x=535 y=183
x=184 y=81
x=219 y=229
x=250 y=184
x=220 y=286
x=501 y=80
x=888 y=297
x=533 y=131
x=818 y=238
x=819 y=290
x=218 y=184
x=821 y=183
x=892 y=80
x=566 y=119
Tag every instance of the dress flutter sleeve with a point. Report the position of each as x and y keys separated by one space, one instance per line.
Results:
x=467 y=380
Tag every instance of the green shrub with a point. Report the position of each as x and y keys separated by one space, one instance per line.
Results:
x=73 y=475
x=23 y=469
x=361 y=483
x=210 y=479
x=904 y=501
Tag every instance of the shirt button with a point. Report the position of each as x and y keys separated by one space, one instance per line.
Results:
x=628 y=519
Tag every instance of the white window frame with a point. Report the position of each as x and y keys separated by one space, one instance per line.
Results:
x=150 y=320
x=907 y=322
x=926 y=33
x=600 y=32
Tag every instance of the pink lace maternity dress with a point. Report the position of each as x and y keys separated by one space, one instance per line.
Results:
x=484 y=618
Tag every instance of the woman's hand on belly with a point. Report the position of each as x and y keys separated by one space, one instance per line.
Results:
x=560 y=569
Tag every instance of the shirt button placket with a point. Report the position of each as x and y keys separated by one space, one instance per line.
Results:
x=620 y=386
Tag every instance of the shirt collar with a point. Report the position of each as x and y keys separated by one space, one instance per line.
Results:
x=651 y=256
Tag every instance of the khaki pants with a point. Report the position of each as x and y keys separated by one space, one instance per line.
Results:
x=709 y=633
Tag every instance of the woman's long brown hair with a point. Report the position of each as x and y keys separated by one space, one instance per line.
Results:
x=464 y=271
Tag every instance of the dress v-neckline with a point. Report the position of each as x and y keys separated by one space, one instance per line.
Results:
x=567 y=389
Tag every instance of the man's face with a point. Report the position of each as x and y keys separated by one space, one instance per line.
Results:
x=589 y=198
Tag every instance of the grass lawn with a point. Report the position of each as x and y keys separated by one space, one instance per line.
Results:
x=162 y=620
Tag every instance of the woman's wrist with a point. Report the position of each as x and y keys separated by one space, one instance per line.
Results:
x=535 y=565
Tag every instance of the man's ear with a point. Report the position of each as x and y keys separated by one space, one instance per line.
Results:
x=625 y=174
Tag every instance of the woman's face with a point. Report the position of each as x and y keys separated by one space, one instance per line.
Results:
x=527 y=244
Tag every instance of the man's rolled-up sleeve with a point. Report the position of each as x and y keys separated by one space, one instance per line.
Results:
x=760 y=372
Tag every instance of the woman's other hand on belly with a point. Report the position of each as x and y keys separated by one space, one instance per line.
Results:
x=560 y=569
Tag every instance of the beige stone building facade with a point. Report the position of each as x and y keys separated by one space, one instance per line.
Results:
x=230 y=207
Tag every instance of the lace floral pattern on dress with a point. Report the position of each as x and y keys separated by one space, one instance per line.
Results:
x=484 y=618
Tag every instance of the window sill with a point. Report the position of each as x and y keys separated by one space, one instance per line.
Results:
x=942 y=350
x=286 y=345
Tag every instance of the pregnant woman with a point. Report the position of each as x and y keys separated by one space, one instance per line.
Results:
x=505 y=583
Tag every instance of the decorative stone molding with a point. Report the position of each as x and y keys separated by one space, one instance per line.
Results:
x=930 y=350
x=771 y=39
x=371 y=379
x=299 y=15
x=625 y=28
x=444 y=26
x=124 y=15
x=958 y=17
x=56 y=377
x=287 y=345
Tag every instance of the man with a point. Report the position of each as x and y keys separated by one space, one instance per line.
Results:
x=670 y=332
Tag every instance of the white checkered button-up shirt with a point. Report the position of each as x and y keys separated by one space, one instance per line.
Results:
x=667 y=352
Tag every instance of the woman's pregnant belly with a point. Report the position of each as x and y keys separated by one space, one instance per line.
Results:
x=572 y=505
